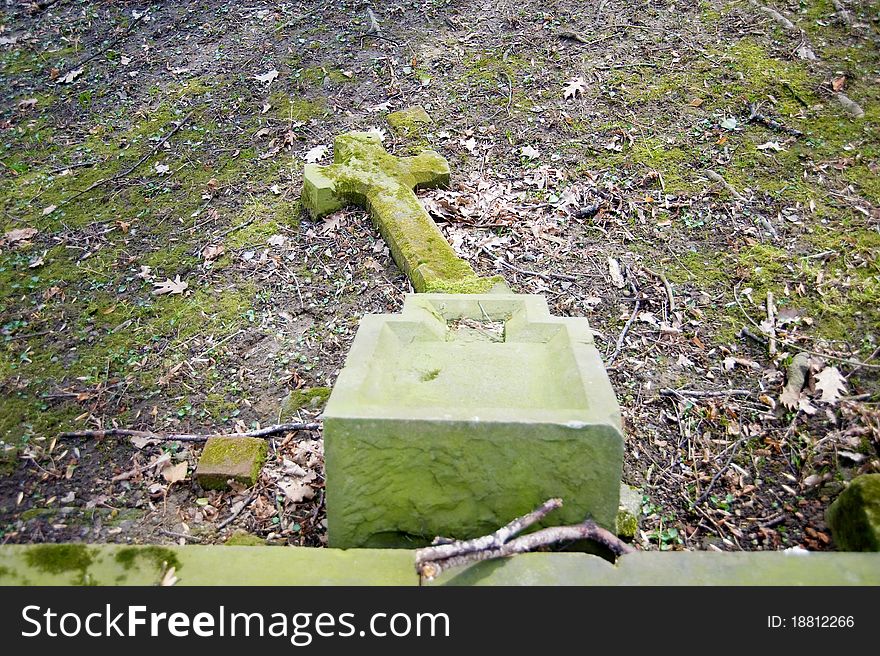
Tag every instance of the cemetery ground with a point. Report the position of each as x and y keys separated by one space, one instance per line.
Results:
x=701 y=180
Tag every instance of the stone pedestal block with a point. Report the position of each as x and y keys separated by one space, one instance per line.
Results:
x=463 y=412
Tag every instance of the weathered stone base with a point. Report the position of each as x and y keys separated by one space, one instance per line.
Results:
x=464 y=412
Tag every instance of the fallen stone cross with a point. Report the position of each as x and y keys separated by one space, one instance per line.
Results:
x=467 y=409
x=364 y=174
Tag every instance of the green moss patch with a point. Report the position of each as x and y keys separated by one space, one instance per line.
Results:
x=312 y=398
x=161 y=557
x=59 y=558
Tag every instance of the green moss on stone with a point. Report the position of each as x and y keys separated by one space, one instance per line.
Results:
x=410 y=122
x=236 y=458
x=245 y=539
x=311 y=398
x=364 y=174
x=854 y=517
x=160 y=557
x=59 y=558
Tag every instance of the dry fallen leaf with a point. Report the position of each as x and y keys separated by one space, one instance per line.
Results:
x=71 y=76
x=268 y=77
x=770 y=145
x=616 y=276
x=529 y=152
x=296 y=492
x=315 y=154
x=831 y=383
x=174 y=473
x=575 y=86
x=696 y=102
x=168 y=286
x=212 y=251
x=19 y=235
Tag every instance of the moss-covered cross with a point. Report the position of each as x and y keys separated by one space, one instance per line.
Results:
x=364 y=174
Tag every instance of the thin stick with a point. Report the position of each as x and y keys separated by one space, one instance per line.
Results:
x=716 y=177
x=634 y=65
x=188 y=437
x=771 y=321
x=626 y=328
x=544 y=276
x=705 y=494
x=704 y=393
x=761 y=338
x=493 y=541
x=669 y=296
x=185 y=536
x=100 y=52
x=432 y=561
x=118 y=176
x=226 y=522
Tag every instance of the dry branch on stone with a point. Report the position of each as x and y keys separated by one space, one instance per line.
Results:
x=445 y=554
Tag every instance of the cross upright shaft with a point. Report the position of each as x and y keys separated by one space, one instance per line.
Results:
x=364 y=174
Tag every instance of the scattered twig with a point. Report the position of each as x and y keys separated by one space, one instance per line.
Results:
x=544 y=276
x=129 y=170
x=509 y=92
x=745 y=332
x=716 y=177
x=187 y=437
x=40 y=333
x=704 y=393
x=184 y=536
x=775 y=15
x=115 y=41
x=629 y=323
x=8 y=168
x=771 y=323
x=633 y=65
x=432 y=561
x=719 y=473
x=852 y=108
x=226 y=522
x=756 y=116
x=670 y=298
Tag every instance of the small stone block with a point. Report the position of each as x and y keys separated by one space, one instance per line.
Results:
x=409 y=121
x=235 y=458
x=854 y=517
x=629 y=512
x=464 y=412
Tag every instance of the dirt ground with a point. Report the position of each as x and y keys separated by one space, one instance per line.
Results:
x=659 y=167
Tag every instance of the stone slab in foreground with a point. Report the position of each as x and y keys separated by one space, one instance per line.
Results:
x=464 y=412
x=114 y=564
x=674 y=568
